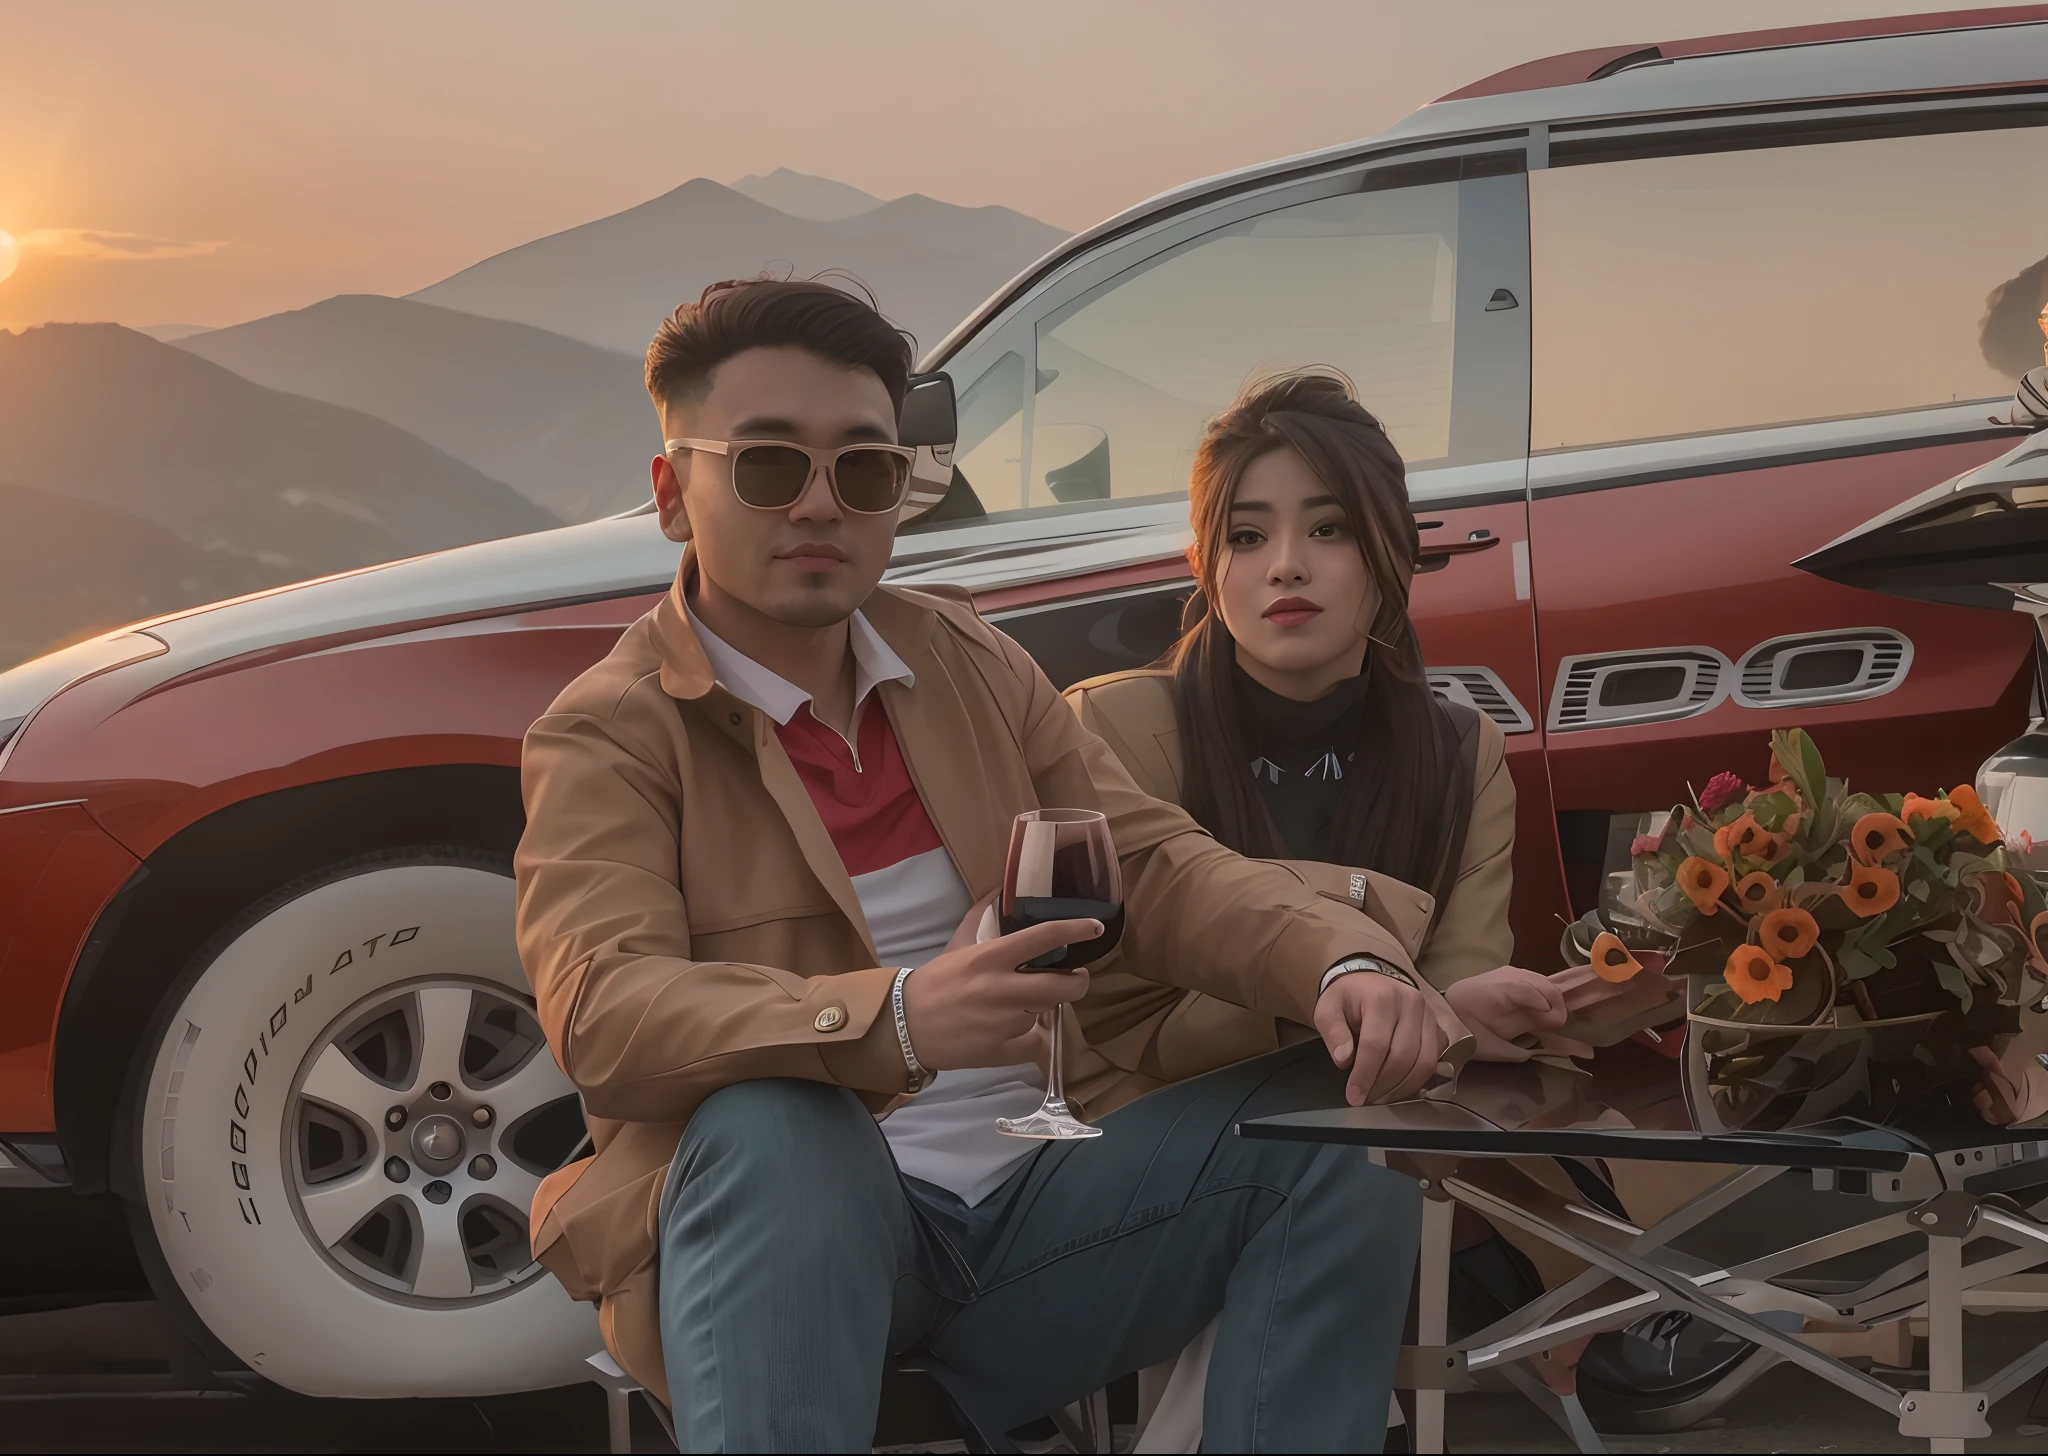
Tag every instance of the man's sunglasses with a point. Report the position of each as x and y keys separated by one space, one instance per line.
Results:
x=771 y=475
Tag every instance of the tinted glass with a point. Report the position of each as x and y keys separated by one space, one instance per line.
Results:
x=1684 y=295
x=871 y=480
x=1124 y=376
x=770 y=476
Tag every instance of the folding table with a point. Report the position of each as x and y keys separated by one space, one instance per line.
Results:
x=1948 y=1191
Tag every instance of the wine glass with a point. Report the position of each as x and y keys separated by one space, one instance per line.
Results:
x=1062 y=866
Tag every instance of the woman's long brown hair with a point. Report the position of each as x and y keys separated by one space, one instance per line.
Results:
x=1407 y=796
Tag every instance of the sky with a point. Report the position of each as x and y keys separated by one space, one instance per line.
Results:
x=218 y=160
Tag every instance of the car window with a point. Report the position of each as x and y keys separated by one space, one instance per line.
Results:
x=1102 y=397
x=1680 y=295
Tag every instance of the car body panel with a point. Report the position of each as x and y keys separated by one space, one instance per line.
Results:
x=63 y=869
x=1575 y=67
x=1670 y=564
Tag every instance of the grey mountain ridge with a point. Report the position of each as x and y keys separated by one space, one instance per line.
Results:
x=565 y=423
x=610 y=281
x=801 y=195
x=302 y=486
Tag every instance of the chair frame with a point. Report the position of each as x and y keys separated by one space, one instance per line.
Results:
x=1633 y=1272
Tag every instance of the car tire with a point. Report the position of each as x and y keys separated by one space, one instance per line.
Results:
x=339 y=1115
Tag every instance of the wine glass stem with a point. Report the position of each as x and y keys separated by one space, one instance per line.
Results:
x=1056 y=1072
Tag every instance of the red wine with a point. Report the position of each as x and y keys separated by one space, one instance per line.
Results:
x=1027 y=910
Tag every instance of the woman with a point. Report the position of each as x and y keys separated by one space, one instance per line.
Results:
x=1294 y=721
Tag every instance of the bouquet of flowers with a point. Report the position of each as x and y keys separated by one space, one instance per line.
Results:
x=1845 y=953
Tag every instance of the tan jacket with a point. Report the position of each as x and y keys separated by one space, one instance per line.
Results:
x=686 y=922
x=1179 y=1033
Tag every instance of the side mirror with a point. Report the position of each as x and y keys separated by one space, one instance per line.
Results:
x=928 y=416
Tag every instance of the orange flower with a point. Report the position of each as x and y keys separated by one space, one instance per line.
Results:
x=1871 y=890
x=1919 y=808
x=1611 y=960
x=1703 y=882
x=1878 y=837
x=1973 y=820
x=1749 y=839
x=1757 y=892
x=1788 y=934
x=1752 y=975
x=2002 y=898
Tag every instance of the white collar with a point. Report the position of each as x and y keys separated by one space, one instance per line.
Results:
x=874 y=662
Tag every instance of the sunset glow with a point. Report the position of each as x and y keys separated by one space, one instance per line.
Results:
x=10 y=256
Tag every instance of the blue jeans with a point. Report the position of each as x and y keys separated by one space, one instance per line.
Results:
x=795 y=1260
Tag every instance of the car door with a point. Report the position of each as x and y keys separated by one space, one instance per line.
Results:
x=1084 y=403
x=1747 y=341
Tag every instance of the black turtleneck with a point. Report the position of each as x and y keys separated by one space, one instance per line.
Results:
x=1300 y=755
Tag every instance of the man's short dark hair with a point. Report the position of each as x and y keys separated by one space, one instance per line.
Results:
x=770 y=313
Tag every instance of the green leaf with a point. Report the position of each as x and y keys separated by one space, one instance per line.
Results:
x=1893 y=803
x=1855 y=962
x=1955 y=983
x=1925 y=1057
x=1802 y=763
x=1771 y=810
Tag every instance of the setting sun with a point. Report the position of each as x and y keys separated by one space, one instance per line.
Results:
x=10 y=255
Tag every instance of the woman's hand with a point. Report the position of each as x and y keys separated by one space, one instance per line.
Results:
x=1505 y=1004
x=2000 y=1099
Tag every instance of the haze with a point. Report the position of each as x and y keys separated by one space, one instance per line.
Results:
x=207 y=163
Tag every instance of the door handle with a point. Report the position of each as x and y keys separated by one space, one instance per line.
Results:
x=1435 y=555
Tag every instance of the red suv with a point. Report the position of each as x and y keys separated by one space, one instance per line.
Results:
x=1648 y=324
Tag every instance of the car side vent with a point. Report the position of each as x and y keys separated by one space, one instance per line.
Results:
x=1823 y=667
x=1607 y=689
x=1480 y=688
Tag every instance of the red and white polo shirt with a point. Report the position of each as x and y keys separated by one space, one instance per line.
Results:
x=909 y=890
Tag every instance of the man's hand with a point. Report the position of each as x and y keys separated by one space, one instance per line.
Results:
x=1382 y=1031
x=970 y=1006
x=1508 y=1003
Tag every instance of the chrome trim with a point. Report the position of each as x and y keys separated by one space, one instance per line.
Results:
x=1582 y=673
x=46 y=804
x=1871 y=639
x=1471 y=686
x=1601 y=467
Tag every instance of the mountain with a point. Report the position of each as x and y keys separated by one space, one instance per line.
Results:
x=99 y=413
x=70 y=568
x=562 y=422
x=171 y=333
x=801 y=195
x=610 y=282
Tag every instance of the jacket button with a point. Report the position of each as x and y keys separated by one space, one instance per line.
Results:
x=831 y=1018
x=735 y=719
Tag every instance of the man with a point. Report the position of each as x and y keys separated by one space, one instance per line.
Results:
x=760 y=835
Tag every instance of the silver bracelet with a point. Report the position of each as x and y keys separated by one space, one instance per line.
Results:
x=920 y=1078
x=1364 y=963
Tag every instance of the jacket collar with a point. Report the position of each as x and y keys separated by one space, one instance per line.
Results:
x=927 y=727
x=898 y=629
